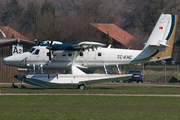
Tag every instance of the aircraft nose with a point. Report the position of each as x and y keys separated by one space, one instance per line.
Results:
x=12 y=60
x=7 y=61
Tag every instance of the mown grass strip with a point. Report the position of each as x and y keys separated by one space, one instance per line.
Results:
x=101 y=89
x=88 y=107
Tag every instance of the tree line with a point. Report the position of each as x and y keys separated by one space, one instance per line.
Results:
x=69 y=21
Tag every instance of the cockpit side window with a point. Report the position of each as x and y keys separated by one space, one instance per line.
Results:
x=36 y=52
x=31 y=50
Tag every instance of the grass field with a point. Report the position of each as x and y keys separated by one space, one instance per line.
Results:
x=83 y=107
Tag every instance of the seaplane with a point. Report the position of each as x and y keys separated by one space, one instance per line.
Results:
x=53 y=55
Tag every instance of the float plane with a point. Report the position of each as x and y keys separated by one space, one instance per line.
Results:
x=91 y=55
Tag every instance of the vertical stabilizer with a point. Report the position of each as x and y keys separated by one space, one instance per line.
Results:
x=163 y=31
x=160 y=42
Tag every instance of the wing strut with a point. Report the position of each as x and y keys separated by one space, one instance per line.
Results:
x=74 y=69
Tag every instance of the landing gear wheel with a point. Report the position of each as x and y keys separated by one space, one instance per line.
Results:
x=82 y=86
x=23 y=87
x=14 y=86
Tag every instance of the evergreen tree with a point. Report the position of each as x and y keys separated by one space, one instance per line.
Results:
x=109 y=40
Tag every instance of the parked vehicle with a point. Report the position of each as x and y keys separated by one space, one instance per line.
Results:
x=137 y=76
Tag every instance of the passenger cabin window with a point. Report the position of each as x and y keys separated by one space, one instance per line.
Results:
x=70 y=54
x=99 y=54
x=36 y=52
x=81 y=53
x=64 y=55
x=31 y=50
x=47 y=54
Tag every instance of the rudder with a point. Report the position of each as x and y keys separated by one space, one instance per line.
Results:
x=162 y=37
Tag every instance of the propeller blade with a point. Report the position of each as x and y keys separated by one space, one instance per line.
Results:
x=48 y=42
x=51 y=43
x=49 y=55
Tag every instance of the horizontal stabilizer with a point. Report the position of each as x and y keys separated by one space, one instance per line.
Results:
x=161 y=43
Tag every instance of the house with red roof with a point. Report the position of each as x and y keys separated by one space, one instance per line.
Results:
x=120 y=37
x=8 y=38
x=7 y=32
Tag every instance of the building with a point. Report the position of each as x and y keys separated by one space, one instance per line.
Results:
x=120 y=37
x=8 y=38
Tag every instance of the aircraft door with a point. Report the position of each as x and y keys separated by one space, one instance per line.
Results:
x=91 y=58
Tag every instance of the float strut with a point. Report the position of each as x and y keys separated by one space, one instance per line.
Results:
x=41 y=69
x=14 y=86
x=22 y=86
x=119 y=70
x=105 y=69
x=34 y=68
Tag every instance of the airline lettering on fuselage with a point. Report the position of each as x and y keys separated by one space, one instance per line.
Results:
x=124 y=57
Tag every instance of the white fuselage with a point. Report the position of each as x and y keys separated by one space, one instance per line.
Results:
x=63 y=60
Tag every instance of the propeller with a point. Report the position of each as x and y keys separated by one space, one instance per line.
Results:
x=50 y=49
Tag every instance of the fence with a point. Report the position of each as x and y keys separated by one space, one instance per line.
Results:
x=156 y=73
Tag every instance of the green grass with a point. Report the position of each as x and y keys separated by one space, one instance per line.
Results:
x=88 y=108
x=114 y=88
x=81 y=107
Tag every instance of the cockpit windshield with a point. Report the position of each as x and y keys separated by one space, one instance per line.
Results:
x=36 y=52
x=31 y=50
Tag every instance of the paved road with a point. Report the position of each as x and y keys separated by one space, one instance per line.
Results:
x=151 y=95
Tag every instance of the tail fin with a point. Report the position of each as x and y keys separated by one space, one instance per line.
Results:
x=162 y=37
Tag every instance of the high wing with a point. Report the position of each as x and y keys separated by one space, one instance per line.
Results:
x=65 y=48
x=87 y=45
x=58 y=49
